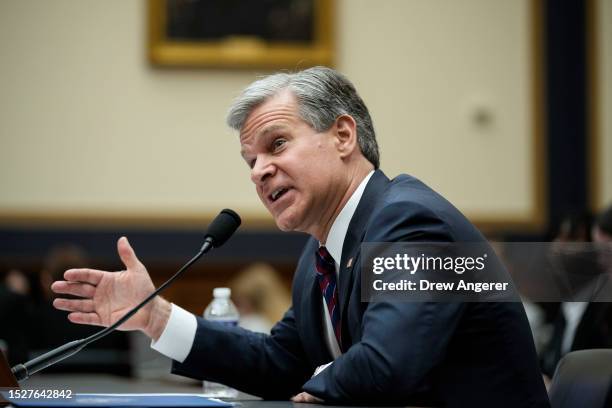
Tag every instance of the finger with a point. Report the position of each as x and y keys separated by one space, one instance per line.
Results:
x=91 y=276
x=307 y=398
x=85 y=318
x=315 y=400
x=74 y=305
x=301 y=397
x=74 y=288
x=127 y=254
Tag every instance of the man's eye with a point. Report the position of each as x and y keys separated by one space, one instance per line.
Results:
x=278 y=143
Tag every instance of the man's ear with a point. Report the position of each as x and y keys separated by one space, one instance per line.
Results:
x=346 y=135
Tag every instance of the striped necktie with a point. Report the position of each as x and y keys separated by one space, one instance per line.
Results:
x=326 y=275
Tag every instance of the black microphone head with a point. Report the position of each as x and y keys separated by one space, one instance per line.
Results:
x=222 y=227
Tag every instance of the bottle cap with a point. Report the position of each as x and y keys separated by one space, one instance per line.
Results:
x=222 y=292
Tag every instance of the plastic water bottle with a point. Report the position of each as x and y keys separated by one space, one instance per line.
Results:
x=221 y=310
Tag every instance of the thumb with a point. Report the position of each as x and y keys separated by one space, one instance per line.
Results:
x=127 y=254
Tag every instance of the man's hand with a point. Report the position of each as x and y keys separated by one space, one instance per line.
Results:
x=107 y=296
x=306 y=397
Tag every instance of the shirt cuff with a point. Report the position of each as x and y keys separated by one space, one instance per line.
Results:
x=320 y=368
x=177 y=338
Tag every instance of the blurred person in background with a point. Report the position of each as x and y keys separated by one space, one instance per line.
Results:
x=260 y=296
x=14 y=314
x=17 y=282
x=49 y=328
x=574 y=228
x=602 y=236
x=580 y=325
x=602 y=230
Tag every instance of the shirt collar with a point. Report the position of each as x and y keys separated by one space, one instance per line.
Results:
x=337 y=232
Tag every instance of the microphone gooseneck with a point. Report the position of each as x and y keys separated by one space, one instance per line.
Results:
x=219 y=231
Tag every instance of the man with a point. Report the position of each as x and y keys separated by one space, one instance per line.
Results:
x=310 y=143
x=14 y=315
x=586 y=324
x=602 y=230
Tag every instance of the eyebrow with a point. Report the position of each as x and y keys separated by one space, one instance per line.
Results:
x=272 y=129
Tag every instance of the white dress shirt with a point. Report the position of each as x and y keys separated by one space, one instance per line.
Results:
x=334 y=245
x=177 y=338
x=573 y=312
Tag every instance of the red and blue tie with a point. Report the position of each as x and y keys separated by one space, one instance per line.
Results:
x=326 y=275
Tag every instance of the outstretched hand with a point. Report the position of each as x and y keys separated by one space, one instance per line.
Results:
x=305 y=397
x=104 y=297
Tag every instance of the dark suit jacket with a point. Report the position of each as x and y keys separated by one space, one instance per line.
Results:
x=593 y=332
x=449 y=354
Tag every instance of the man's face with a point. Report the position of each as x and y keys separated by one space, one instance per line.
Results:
x=600 y=235
x=295 y=169
x=603 y=241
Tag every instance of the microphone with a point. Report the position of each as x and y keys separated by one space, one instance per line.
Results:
x=219 y=231
x=222 y=227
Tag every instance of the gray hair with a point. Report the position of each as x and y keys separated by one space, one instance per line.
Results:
x=322 y=94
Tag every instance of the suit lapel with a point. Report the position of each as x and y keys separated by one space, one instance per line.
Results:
x=352 y=244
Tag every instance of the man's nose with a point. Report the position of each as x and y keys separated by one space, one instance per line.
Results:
x=262 y=169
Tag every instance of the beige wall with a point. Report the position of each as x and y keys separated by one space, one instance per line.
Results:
x=604 y=25
x=88 y=127
x=424 y=68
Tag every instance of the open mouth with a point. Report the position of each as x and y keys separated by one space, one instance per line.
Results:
x=278 y=193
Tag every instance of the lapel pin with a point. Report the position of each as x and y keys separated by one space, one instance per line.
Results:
x=349 y=263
